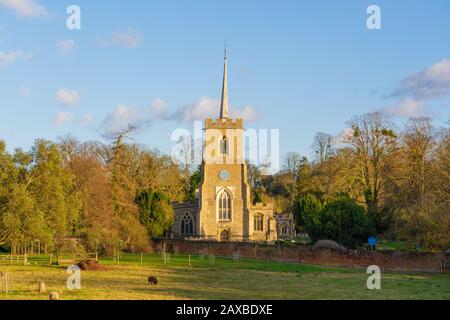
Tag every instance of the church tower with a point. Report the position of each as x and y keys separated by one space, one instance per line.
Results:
x=224 y=191
x=224 y=210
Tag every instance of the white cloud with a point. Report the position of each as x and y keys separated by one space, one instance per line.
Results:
x=65 y=47
x=62 y=118
x=130 y=38
x=407 y=108
x=345 y=136
x=25 y=8
x=430 y=83
x=247 y=113
x=159 y=107
x=67 y=97
x=8 y=58
x=125 y=117
x=206 y=107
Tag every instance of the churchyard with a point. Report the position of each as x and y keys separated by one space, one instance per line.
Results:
x=210 y=277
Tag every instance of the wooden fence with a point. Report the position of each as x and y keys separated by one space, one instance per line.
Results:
x=71 y=258
x=45 y=259
x=14 y=259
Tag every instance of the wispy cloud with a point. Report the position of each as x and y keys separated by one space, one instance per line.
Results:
x=430 y=83
x=408 y=108
x=130 y=38
x=25 y=8
x=67 y=97
x=124 y=117
x=247 y=113
x=415 y=91
x=8 y=58
x=345 y=136
x=65 y=47
x=206 y=107
x=62 y=118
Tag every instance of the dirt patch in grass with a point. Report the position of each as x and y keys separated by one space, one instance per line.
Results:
x=91 y=265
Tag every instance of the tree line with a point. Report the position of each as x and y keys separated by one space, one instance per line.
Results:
x=375 y=179
x=69 y=196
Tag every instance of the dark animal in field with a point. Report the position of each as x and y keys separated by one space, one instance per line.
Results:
x=152 y=280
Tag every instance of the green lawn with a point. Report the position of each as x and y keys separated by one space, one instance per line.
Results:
x=219 y=278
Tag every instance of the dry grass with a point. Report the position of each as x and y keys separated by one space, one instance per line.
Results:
x=130 y=282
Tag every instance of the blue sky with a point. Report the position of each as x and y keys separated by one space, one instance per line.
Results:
x=299 y=66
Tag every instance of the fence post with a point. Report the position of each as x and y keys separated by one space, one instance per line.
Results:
x=141 y=259
x=189 y=261
x=25 y=260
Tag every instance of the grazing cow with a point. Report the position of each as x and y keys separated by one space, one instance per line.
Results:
x=152 y=280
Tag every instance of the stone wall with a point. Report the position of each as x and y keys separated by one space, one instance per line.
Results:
x=386 y=260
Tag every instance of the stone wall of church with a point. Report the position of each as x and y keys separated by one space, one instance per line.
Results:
x=180 y=210
x=285 y=226
x=269 y=228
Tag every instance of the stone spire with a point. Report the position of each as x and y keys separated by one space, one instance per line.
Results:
x=224 y=104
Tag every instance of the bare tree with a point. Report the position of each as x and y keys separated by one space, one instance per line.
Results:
x=322 y=146
x=292 y=163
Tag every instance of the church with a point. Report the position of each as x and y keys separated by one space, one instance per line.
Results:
x=224 y=210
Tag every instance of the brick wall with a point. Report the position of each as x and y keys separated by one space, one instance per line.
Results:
x=386 y=260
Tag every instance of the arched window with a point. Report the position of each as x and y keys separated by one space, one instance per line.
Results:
x=224 y=235
x=258 y=222
x=284 y=230
x=224 y=146
x=224 y=205
x=187 y=224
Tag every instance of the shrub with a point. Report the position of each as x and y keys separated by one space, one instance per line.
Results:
x=343 y=220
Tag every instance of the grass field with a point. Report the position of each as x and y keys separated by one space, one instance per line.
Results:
x=218 y=278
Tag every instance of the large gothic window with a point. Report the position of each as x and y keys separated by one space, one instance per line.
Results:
x=187 y=224
x=258 y=222
x=224 y=205
x=224 y=147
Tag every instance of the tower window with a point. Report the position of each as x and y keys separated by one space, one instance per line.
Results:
x=224 y=147
x=224 y=205
x=258 y=222
x=187 y=224
x=284 y=230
